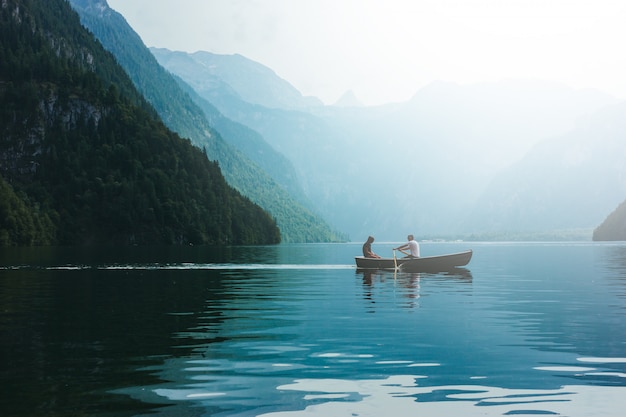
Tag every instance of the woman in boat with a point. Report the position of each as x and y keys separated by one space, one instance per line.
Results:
x=412 y=246
x=367 y=248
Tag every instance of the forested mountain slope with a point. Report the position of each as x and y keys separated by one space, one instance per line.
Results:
x=254 y=168
x=85 y=160
x=324 y=157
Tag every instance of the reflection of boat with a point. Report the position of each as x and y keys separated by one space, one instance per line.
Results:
x=438 y=263
x=463 y=274
x=369 y=275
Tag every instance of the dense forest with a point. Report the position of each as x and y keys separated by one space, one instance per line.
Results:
x=83 y=157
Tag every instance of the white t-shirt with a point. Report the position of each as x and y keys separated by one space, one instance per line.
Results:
x=414 y=248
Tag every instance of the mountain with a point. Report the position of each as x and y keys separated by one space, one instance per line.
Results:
x=423 y=166
x=253 y=146
x=570 y=181
x=348 y=99
x=247 y=161
x=456 y=140
x=290 y=131
x=613 y=227
x=426 y=163
x=85 y=159
x=316 y=151
x=238 y=76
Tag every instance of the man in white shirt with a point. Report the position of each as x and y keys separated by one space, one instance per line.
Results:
x=412 y=246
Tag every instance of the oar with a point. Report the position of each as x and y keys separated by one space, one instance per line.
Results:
x=395 y=265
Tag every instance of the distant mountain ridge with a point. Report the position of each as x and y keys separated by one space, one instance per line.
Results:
x=348 y=99
x=298 y=134
x=432 y=165
x=584 y=168
x=251 y=81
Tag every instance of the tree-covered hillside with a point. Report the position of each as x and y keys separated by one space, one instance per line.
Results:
x=83 y=157
x=247 y=162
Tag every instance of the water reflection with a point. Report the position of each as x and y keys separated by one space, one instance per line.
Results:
x=68 y=337
x=401 y=395
x=613 y=258
x=407 y=285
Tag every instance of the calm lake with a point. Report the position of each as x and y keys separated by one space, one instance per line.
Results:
x=525 y=329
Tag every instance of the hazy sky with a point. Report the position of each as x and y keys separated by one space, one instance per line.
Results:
x=385 y=50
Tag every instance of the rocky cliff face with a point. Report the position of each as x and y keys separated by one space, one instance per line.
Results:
x=24 y=136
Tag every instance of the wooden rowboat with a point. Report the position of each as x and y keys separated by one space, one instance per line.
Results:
x=438 y=263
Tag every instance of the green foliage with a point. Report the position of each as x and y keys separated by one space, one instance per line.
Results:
x=90 y=164
x=22 y=223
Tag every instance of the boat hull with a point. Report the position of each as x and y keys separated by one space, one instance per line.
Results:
x=377 y=263
x=437 y=263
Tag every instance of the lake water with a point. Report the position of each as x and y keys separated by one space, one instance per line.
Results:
x=295 y=330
